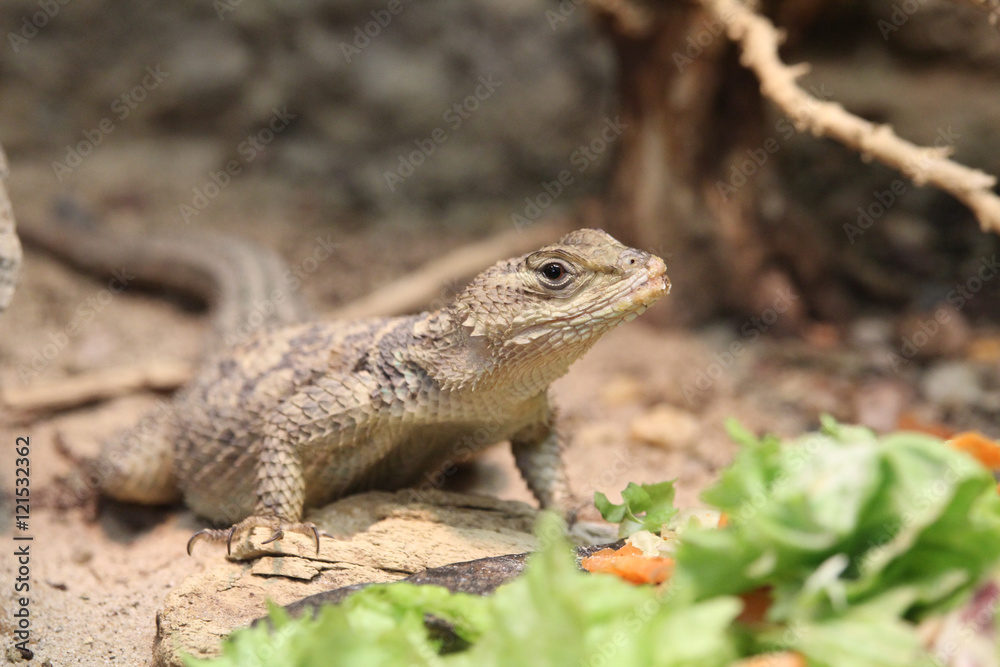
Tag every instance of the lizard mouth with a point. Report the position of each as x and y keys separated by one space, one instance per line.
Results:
x=649 y=286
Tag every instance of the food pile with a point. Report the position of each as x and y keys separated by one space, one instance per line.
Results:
x=838 y=548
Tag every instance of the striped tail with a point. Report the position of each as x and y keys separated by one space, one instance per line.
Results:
x=245 y=285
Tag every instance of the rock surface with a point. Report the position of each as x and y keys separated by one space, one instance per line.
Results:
x=380 y=537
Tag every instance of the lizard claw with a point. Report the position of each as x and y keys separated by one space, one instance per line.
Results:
x=210 y=534
x=227 y=534
x=278 y=534
x=307 y=527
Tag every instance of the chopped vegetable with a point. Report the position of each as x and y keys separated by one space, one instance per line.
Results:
x=855 y=535
x=553 y=614
x=630 y=564
x=756 y=604
x=835 y=548
x=779 y=659
x=910 y=422
x=978 y=446
x=643 y=507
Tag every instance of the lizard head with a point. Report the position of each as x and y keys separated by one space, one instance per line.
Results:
x=551 y=305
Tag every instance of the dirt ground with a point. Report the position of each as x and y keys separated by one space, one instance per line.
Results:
x=646 y=404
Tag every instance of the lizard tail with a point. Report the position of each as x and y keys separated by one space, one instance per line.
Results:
x=245 y=285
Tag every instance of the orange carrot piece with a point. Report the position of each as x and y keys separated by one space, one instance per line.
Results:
x=629 y=564
x=980 y=447
x=909 y=422
x=779 y=659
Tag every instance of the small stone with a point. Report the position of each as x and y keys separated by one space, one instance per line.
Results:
x=985 y=349
x=931 y=334
x=665 y=426
x=82 y=556
x=952 y=384
x=878 y=404
x=621 y=390
x=868 y=332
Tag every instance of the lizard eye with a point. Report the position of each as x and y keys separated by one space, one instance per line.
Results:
x=554 y=274
x=553 y=271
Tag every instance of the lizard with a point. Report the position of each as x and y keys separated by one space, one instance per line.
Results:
x=307 y=410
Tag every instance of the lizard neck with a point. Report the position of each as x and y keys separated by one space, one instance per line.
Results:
x=459 y=358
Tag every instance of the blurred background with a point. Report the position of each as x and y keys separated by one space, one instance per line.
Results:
x=401 y=131
x=460 y=118
x=469 y=106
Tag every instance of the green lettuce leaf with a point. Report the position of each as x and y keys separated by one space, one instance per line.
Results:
x=868 y=635
x=840 y=517
x=855 y=537
x=643 y=507
x=554 y=614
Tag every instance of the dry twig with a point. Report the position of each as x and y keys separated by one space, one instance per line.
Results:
x=759 y=40
x=416 y=290
x=77 y=390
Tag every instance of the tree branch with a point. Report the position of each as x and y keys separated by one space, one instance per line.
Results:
x=759 y=40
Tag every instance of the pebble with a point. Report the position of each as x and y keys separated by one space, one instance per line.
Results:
x=878 y=404
x=621 y=390
x=952 y=384
x=666 y=426
x=931 y=334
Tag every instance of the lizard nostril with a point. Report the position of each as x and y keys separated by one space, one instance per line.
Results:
x=631 y=259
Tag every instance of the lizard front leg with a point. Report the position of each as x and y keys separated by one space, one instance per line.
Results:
x=280 y=491
x=280 y=484
x=538 y=454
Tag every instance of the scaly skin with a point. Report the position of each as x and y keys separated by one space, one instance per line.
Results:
x=301 y=415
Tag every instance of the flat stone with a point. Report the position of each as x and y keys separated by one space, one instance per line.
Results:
x=380 y=537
